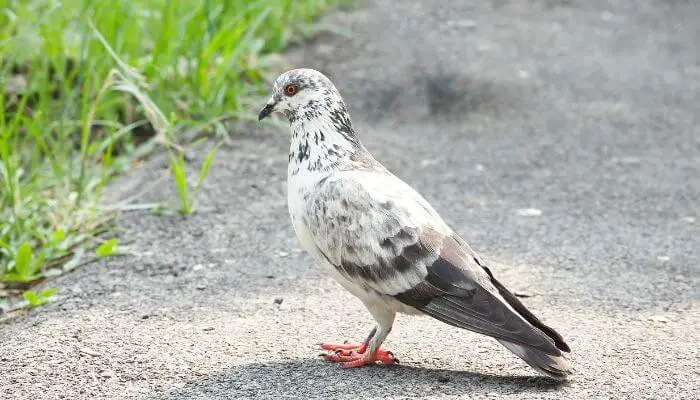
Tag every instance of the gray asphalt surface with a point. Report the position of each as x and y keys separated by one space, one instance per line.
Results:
x=584 y=110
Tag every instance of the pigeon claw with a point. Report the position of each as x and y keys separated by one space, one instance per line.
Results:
x=381 y=356
x=353 y=356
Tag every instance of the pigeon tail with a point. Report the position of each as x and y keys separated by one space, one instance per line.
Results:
x=553 y=365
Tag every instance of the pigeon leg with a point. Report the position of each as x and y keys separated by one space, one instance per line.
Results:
x=352 y=356
x=347 y=349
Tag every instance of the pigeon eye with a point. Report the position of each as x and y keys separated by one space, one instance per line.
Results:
x=290 y=90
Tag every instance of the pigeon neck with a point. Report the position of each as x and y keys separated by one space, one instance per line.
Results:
x=322 y=143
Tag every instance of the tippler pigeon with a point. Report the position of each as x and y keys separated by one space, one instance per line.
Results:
x=383 y=242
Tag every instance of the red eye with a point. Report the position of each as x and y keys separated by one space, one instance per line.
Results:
x=290 y=90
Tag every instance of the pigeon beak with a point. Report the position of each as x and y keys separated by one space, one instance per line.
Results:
x=267 y=110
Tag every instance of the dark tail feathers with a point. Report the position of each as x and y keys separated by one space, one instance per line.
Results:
x=552 y=365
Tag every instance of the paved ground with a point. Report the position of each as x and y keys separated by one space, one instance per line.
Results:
x=585 y=110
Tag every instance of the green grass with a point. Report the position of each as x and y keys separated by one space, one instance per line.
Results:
x=87 y=86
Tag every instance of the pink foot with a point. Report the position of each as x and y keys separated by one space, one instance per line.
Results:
x=353 y=355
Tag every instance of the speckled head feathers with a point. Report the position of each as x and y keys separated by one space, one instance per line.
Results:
x=321 y=133
x=304 y=78
x=302 y=93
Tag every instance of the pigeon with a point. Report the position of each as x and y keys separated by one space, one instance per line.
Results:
x=384 y=243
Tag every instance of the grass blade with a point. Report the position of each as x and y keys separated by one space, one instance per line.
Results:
x=177 y=165
x=207 y=164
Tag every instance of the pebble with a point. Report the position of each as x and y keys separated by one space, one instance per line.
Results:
x=529 y=212
x=462 y=23
x=90 y=352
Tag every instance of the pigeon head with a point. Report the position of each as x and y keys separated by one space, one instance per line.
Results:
x=320 y=128
x=302 y=93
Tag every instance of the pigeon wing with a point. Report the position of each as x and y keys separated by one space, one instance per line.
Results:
x=383 y=236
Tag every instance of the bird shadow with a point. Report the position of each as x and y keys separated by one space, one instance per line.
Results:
x=439 y=95
x=315 y=378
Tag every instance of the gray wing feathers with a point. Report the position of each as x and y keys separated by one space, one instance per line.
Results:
x=450 y=296
x=452 y=293
x=363 y=228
